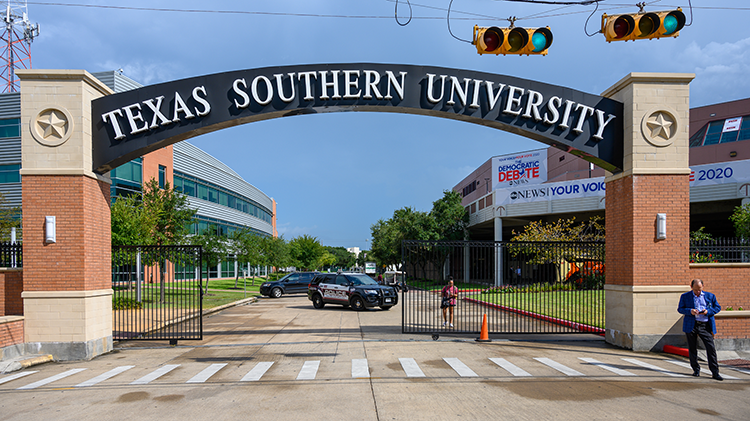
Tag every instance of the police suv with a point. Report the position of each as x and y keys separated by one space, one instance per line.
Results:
x=350 y=289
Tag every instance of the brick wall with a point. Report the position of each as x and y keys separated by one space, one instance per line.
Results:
x=80 y=259
x=634 y=255
x=11 y=333
x=11 y=286
x=152 y=160
x=732 y=288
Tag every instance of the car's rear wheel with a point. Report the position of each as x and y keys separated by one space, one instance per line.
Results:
x=357 y=304
x=386 y=307
x=276 y=293
x=318 y=301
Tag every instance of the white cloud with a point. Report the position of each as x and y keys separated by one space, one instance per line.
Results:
x=721 y=71
x=146 y=74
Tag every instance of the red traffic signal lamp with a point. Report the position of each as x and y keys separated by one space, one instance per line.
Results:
x=643 y=25
x=494 y=40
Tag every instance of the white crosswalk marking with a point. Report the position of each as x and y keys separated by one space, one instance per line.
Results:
x=206 y=373
x=618 y=371
x=559 y=367
x=462 y=369
x=16 y=376
x=102 y=377
x=411 y=368
x=257 y=372
x=652 y=367
x=360 y=369
x=148 y=378
x=309 y=370
x=510 y=368
x=687 y=365
x=49 y=380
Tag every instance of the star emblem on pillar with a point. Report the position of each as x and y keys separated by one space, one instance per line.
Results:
x=53 y=124
x=660 y=124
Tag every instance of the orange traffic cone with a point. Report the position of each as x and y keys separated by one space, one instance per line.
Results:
x=484 y=336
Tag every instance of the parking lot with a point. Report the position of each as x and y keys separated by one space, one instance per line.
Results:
x=283 y=359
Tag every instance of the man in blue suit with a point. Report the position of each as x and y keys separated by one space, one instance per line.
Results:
x=699 y=308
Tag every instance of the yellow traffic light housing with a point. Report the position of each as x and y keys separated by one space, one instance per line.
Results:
x=643 y=25
x=518 y=41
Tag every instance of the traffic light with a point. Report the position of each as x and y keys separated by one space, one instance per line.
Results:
x=512 y=40
x=643 y=25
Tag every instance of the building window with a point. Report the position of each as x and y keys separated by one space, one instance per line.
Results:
x=162 y=176
x=10 y=173
x=10 y=127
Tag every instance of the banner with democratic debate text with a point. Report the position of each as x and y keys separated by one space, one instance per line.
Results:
x=520 y=169
x=700 y=175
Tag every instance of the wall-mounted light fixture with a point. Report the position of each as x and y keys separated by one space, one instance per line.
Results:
x=50 y=230
x=661 y=226
x=732 y=154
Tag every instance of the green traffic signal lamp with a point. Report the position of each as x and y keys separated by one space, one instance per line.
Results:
x=643 y=25
x=516 y=41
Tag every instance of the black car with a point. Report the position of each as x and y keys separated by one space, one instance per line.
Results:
x=295 y=282
x=350 y=289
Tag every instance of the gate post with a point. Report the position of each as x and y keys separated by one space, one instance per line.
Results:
x=67 y=264
x=646 y=273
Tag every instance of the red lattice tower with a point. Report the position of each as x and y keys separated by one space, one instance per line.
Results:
x=16 y=43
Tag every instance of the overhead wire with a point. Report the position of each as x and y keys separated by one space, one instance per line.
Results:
x=410 y=14
x=448 y=19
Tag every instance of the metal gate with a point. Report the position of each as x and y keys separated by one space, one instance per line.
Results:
x=522 y=287
x=157 y=293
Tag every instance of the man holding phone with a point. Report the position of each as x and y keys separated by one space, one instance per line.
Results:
x=699 y=307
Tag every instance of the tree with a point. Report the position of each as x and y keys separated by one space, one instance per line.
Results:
x=741 y=220
x=160 y=217
x=562 y=230
x=213 y=249
x=362 y=257
x=170 y=211
x=451 y=218
x=343 y=258
x=277 y=251
x=248 y=247
x=9 y=218
x=131 y=224
x=305 y=252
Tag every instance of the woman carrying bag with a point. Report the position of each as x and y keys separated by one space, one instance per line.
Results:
x=449 y=295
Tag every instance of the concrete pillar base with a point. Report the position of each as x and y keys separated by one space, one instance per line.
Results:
x=70 y=325
x=71 y=351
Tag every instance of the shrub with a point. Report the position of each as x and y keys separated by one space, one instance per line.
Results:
x=125 y=303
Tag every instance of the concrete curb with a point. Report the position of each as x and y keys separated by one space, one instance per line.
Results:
x=24 y=362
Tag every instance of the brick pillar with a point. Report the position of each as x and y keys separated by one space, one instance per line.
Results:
x=67 y=283
x=646 y=274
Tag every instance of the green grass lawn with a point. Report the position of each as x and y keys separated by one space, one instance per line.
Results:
x=228 y=284
x=585 y=307
x=184 y=298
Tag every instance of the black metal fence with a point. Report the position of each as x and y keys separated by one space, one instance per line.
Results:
x=720 y=250
x=522 y=287
x=11 y=255
x=157 y=293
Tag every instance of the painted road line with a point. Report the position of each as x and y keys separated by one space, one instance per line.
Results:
x=309 y=370
x=206 y=373
x=559 y=367
x=618 y=371
x=49 y=380
x=148 y=378
x=687 y=365
x=462 y=369
x=360 y=370
x=16 y=376
x=652 y=367
x=257 y=372
x=411 y=368
x=510 y=368
x=102 y=377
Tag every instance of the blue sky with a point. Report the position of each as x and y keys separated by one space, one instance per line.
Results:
x=334 y=175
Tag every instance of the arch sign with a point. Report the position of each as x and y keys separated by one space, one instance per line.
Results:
x=130 y=124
